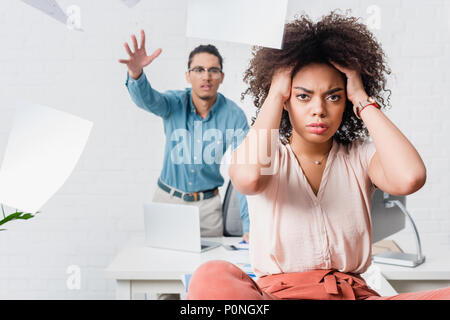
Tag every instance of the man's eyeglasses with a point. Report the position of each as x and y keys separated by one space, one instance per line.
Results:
x=214 y=72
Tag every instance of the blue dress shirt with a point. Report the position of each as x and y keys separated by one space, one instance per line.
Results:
x=194 y=146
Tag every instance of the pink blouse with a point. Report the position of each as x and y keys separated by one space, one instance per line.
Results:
x=293 y=230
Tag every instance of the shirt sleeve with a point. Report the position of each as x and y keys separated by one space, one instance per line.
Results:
x=240 y=130
x=367 y=152
x=147 y=98
x=362 y=151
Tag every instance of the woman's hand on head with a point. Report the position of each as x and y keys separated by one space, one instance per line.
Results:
x=355 y=87
x=281 y=84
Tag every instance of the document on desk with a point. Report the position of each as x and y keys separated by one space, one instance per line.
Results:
x=238 y=256
x=43 y=148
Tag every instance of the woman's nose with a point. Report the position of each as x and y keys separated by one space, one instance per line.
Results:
x=318 y=107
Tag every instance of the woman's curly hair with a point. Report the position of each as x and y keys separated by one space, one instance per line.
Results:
x=335 y=37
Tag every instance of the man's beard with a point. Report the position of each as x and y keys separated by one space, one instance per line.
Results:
x=207 y=98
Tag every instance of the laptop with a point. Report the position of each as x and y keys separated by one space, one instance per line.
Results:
x=174 y=226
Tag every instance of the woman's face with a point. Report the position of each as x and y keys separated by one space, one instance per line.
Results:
x=318 y=96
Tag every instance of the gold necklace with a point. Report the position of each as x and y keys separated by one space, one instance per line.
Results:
x=318 y=162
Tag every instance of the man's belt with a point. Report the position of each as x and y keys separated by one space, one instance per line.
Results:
x=190 y=196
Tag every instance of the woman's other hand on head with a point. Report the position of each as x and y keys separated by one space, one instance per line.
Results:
x=281 y=85
x=355 y=86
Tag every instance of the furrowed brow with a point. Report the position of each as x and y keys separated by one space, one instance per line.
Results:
x=311 y=91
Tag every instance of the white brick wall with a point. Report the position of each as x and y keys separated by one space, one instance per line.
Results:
x=98 y=210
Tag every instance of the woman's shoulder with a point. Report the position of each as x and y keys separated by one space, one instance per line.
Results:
x=355 y=147
x=360 y=150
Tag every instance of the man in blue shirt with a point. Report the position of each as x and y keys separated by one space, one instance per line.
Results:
x=199 y=124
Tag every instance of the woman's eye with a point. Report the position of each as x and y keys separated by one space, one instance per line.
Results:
x=334 y=97
x=302 y=96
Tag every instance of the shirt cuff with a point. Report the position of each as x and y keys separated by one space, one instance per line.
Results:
x=139 y=80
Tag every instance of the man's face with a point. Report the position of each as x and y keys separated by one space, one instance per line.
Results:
x=205 y=84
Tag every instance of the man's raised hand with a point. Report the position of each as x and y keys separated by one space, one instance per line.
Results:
x=139 y=58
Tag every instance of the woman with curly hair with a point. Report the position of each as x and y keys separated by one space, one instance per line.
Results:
x=309 y=206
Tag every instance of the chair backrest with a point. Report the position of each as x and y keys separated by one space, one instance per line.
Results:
x=232 y=224
x=385 y=221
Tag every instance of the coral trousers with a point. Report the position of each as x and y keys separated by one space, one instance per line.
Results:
x=221 y=280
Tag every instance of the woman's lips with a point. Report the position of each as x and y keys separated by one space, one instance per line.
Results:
x=317 y=130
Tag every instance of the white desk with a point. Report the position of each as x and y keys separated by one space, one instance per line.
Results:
x=139 y=270
x=142 y=270
x=434 y=273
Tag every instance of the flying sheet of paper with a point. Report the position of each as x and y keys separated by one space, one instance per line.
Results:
x=49 y=7
x=130 y=3
x=43 y=148
x=255 y=22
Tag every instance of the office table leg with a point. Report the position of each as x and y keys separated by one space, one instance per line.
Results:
x=123 y=290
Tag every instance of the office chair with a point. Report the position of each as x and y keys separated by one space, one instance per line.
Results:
x=388 y=217
x=231 y=214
